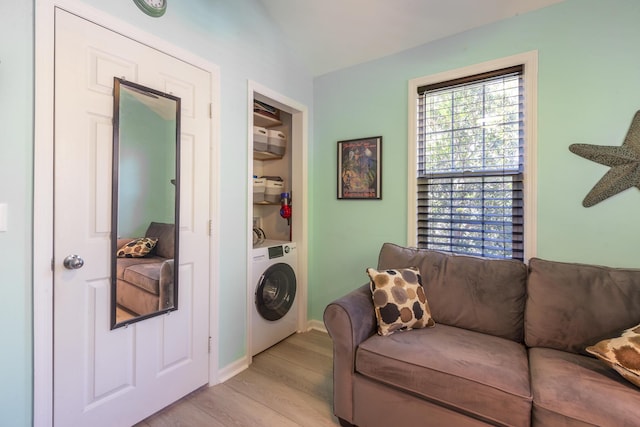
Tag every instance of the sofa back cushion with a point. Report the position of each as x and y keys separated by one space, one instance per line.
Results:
x=571 y=306
x=165 y=233
x=479 y=294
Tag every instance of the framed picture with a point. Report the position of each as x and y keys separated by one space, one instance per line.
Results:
x=360 y=168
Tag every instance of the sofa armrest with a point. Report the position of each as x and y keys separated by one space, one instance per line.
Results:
x=349 y=320
x=166 y=298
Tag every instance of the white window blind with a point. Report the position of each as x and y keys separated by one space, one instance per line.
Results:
x=470 y=161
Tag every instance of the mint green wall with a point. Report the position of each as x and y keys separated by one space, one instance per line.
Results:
x=147 y=166
x=235 y=35
x=16 y=160
x=588 y=93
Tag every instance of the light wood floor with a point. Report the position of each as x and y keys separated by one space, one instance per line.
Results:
x=286 y=385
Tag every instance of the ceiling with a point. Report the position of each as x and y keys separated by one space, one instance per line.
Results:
x=332 y=34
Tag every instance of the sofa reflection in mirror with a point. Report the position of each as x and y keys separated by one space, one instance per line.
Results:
x=144 y=271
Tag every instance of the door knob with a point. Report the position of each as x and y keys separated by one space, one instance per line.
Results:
x=73 y=262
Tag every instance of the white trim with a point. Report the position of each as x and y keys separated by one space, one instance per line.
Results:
x=43 y=188
x=43 y=216
x=215 y=226
x=316 y=325
x=299 y=183
x=530 y=62
x=233 y=369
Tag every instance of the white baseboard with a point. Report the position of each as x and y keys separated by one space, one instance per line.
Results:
x=317 y=325
x=233 y=369
x=240 y=365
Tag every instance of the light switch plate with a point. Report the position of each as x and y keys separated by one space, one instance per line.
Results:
x=3 y=217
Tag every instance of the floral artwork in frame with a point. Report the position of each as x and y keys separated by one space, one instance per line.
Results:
x=360 y=168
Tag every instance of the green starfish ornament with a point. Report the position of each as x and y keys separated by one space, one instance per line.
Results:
x=624 y=162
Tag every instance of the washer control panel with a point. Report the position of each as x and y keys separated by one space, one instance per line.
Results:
x=277 y=251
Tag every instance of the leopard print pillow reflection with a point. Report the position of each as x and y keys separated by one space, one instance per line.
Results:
x=399 y=300
x=137 y=248
x=621 y=353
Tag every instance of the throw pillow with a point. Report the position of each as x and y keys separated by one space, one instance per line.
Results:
x=137 y=248
x=621 y=353
x=399 y=300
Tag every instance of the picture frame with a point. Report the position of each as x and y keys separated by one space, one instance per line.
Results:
x=360 y=169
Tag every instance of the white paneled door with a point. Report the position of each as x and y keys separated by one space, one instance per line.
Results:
x=105 y=377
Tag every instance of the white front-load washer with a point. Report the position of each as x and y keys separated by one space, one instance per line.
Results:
x=274 y=312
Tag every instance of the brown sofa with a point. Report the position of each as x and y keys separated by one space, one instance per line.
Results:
x=145 y=285
x=508 y=347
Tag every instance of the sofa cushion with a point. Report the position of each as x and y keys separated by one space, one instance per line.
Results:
x=166 y=238
x=574 y=390
x=453 y=283
x=124 y=263
x=621 y=353
x=399 y=300
x=476 y=373
x=145 y=276
x=571 y=306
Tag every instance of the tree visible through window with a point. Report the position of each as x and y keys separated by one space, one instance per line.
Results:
x=470 y=161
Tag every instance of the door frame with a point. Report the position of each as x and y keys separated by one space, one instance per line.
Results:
x=43 y=191
x=300 y=185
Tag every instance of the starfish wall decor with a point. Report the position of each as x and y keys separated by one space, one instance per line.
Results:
x=624 y=162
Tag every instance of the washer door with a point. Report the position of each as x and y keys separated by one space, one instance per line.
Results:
x=276 y=291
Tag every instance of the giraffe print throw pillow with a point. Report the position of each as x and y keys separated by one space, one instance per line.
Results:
x=137 y=248
x=621 y=353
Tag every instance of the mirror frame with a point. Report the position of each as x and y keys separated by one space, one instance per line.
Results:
x=117 y=83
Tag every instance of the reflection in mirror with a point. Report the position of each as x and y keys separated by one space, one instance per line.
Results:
x=145 y=203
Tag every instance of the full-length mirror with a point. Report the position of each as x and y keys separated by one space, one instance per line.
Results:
x=145 y=203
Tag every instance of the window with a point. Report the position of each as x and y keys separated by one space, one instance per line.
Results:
x=469 y=163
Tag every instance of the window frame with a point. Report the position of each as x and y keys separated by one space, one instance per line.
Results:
x=530 y=82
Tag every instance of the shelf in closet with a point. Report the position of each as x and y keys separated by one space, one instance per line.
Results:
x=265 y=203
x=265 y=155
x=265 y=121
